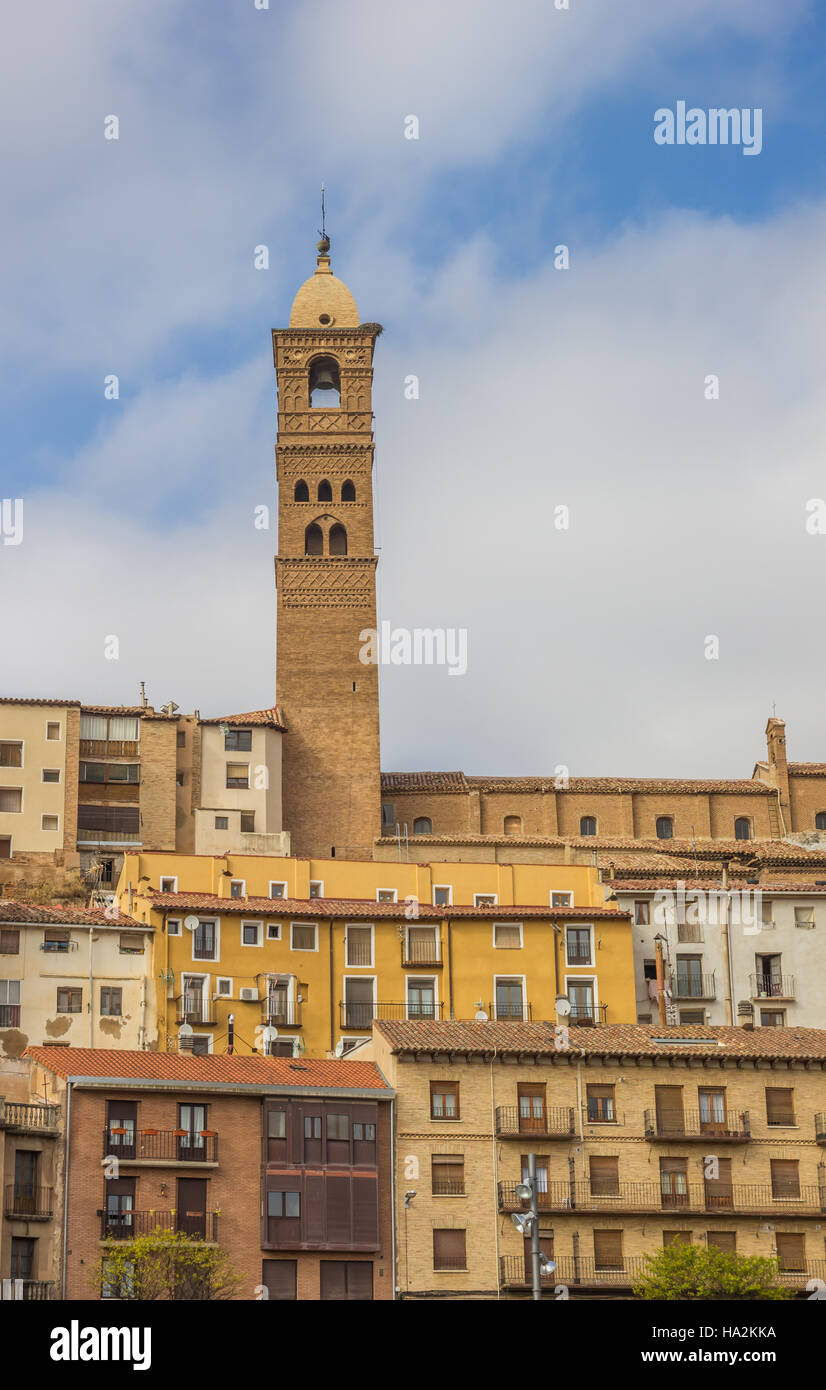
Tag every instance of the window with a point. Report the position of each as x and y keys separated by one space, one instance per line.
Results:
x=338 y=540
x=238 y=775
x=363 y=1133
x=224 y=988
x=325 y=492
x=110 y=772
x=5 y=846
x=338 y=1127
x=11 y=799
x=820 y=820
x=247 y=822
x=531 y=1105
x=69 y=1001
x=273 y=931
x=237 y=888
x=510 y=998
x=692 y=1015
x=180 y=779
x=9 y=1003
x=205 y=941
x=421 y=998
x=22 y=1257
x=599 y=1104
x=53 y=732
x=673 y=1182
x=791 y=1252
x=785 y=1175
x=111 y=1001
x=301 y=492
x=280 y=1278
x=316 y=888
x=772 y=1018
x=447 y=1175
x=578 y=945
x=238 y=741
x=449 y=1250
x=359 y=946
x=11 y=754
x=350 y=1280
x=9 y=941
x=742 y=828
x=388 y=815
x=588 y=825
x=484 y=900
x=173 y=926
x=444 y=1100
x=169 y=885
x=49 y=822
x=54 y=940
x=180 y=738
x=303 y=936
x=284 y=1204
x=804 y=917
x=387 y=895
x=348 y=492
x=562 y=900
x=541 y=1171
x=689 y=931
x=642 y=912
x=422 y=825
x=603 y=1175
x=780 y=1105
x=313 y=540
x=665 y=828
x=442 y=895
x=513 y=825
x=50 y=774
x=222 y=822
x=507 y=936
x=722 y=1240
x=690 y=982
x=277 y=1124
x=278 y=890
x=130 y=944
x=251 y=934
x=676 y=1237
x=608 y=1250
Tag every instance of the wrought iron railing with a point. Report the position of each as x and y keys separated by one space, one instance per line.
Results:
x=126 y=1225
x=697 y=1124
x=554 y=1120
x=162 y=1145
x=29 y=1203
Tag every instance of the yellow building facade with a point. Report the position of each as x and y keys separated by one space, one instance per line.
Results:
x=297 y=955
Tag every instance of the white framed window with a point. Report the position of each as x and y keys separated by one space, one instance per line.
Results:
x=252 y=933
x=316 y=888
x=238 y=888
x=50 y=774
x=49 y=822
x=421 y=996
x=222 y=822
x=273 y=931
x=485 y=899
x=508 y=936
x=583 y=995
x=303 y=936
x=561 y=899
x=347 y=1044
x=509 y=997
x=358 y=1007
x=579 y=944
x=284 y=1046
x=53 y=730
x=358 y=945
x=169 y=885
x=199 y=1044
x=442 y=895
x=206 y=939
x=278 y=889
x=223 y=987
x=804 y=916
x=387 y=895
x=173 y=926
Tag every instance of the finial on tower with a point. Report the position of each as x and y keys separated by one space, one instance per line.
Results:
x=324 y=244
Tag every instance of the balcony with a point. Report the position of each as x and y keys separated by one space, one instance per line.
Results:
x=512 y=1012
x=125 y=1225
x=418 y=953
x=587 y=1015
x=558 y=1122
x=108 y=837
x=160 y=1146
x=193 y=1008
x=109 y=748
x=448 y=1187
x=698 y=1198
x=29 y=1203
x=573 y=1271
x=361 y=1015
x=772 y=986
x=281 y=1013
x=29 y=1290
x=800 y=1278
x=28 y=1119
x=693 y=987
x=733 y=1127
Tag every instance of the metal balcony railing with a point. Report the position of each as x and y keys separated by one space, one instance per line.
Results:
x=516 y=1012
x=421 y=952
x=448 y=1187
x=28 y=1119
x=162 y=1146
x=603 y=1195
x=125 y=1225
x=557 y=1120
x=573 y=1270
x=193 y=1008
x=693 y=986
x=281 y=1013
x=772 y=986
x=29 y=1203
x=361 y=1015
x=729 y=1126
x=812 y=1269
x=587 y=1015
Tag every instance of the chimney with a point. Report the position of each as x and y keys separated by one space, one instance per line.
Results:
x=745 y=1015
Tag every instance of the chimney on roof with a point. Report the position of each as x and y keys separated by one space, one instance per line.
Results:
x=745 y=1015
x=144 y=701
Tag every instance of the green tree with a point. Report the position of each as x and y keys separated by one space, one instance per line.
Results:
x=683 y=1272
x=166 y=1266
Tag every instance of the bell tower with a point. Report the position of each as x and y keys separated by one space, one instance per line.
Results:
x=325 y=571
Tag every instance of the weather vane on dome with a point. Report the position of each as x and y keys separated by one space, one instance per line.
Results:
x=324 y=244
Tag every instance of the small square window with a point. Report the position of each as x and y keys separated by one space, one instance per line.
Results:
x=484 y=899
x=179 y=779
x=303 y=936
x=222 y=822
x=278 y=890
x=236 y=888
x=507 y=935
x=387 y=895
x=442 y=896
x=224 y=988
x=49 y=822
x=169 y=885
x=53 y=732
x=273 y=931
x=238 y=775
x=562 y=900
x=247 y=822
x=180 y=738
x=316 y=888
x=251 y=933
x=173 y=926
x=51 y=774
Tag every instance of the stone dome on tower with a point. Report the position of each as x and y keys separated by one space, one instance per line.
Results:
x=323 y=301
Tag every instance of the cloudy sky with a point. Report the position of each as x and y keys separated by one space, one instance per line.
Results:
x=539 y=388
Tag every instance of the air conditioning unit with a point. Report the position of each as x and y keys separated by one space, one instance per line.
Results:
x=249 y=995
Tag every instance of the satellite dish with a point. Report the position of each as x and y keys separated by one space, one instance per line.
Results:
x=268 y=1034
x=563 y=1006
x=481 y=1016
x=185 y=1030
x=339 y=1051
x=191 y=922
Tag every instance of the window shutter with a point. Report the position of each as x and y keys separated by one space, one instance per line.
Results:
x=314 y=1195
x=785 y=1177
x=604 y=1175
x=365 y=1203
x=608 y=1249
x=791 y=1251
x=280 y=1279
x=338 y=1211
x=123 y=818
x=722 y=1240
x=779 y=1105
x=449 y=1249
x=333 y=1279
x=508 y=936
x=360 y=1279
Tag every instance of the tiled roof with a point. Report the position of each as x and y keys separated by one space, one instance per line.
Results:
x=208 y=1067
x=259 y=717
x=141 y=711
x=363 y=908
x=625 y=1039
x=458 y=782
x=805 y=887
x=807 y=769
x=423 y=782
x=34 y=700
x=55 y=914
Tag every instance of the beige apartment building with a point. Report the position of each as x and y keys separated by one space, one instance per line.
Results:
x=642 y=1136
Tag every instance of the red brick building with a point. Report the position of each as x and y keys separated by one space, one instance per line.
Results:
x=285 y=1164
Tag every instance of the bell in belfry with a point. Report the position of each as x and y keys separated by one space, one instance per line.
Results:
x=324 y=380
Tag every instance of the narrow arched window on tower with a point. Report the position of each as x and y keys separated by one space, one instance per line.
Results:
x=325 y=384
x=348 y=492
x=742 y=828
x=587 y=825
x=313 y=540
x=325 y=492
x=302 y=492
x=665 y=828
x=422 y=825
x=338 y=540
x=513 y=825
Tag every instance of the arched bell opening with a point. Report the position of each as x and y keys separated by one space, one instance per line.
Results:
x=313 y=540
x=338 y=540
x=325 y=384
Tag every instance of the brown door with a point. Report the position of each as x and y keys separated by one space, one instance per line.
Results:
x=532 y=1117
x=191 y=1146
x=192 y=1206
x=719 y=1193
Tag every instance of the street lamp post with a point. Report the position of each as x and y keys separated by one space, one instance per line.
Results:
x=529 y=1225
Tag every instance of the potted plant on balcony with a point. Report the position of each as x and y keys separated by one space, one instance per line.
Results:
x=180 y=1133
x=208 y=1133
x=118 y=1131
x=149 y=1130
